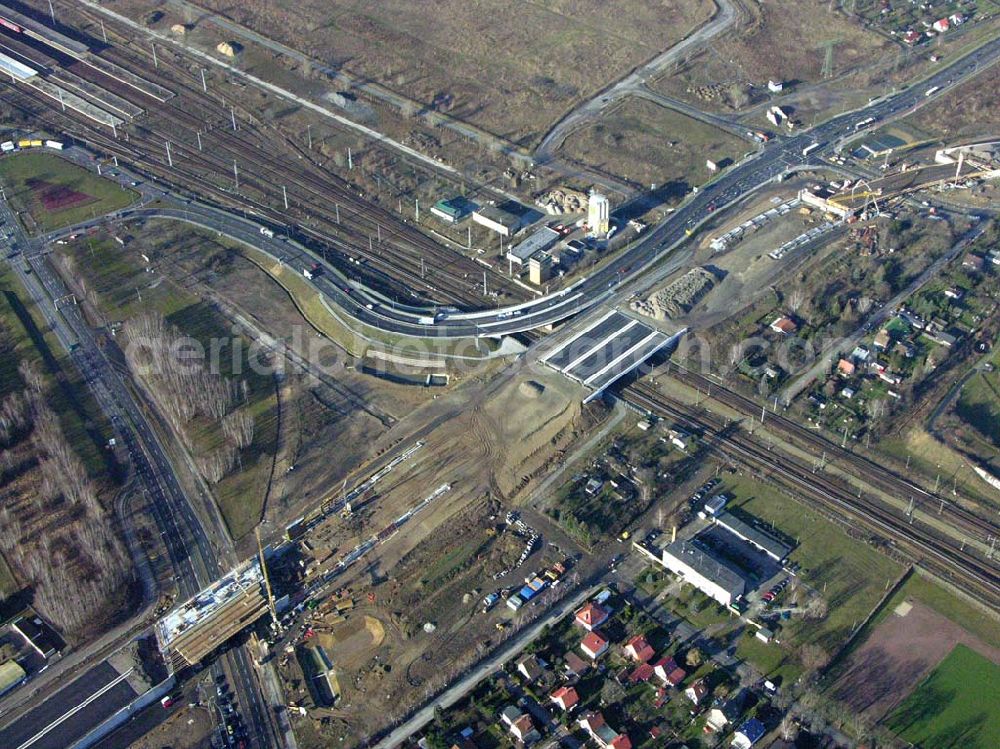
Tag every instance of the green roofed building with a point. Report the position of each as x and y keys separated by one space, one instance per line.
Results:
x=453 y=210
x=11 y=674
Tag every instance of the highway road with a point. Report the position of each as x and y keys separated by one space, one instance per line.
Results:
x=732 y=185
x=193 y=557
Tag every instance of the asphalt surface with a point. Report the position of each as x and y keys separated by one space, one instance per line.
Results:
x=47 y=726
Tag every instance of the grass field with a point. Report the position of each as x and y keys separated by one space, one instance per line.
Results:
x=958 y=705
x=849 y=574
x=646 y=143
x=55 y=193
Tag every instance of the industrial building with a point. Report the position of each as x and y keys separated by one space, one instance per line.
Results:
x=39 y=636
x=759 y=539
x=199 y=625
x=711 y=574
x=453 y=210
x=496 y=219
x=540 y=268
x=539 y=241
x=598 y=214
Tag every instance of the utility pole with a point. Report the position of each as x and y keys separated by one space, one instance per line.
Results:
x=423 y=269
x=104 y=32
x=61 y=102
x=236 y=174
x=337 y=207
x=284 y=194
x=469 y=241
x=156 y=63
x=232 y=112
x=350 y=160
x=52 y=12
x=416 y=210
x=485 y=293
x=309 y=136
x=762 y=410
x=378 y=229
x=114 y=130
x=170 y=160
x=198 y=135
x=204 y=85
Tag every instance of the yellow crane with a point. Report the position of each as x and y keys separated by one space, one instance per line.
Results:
x=267 y=581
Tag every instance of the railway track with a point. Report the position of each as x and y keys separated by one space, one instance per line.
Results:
x=873 y=473
x=939 y=556
x=402 y=256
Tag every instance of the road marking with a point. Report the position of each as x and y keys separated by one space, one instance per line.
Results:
x=76 y=709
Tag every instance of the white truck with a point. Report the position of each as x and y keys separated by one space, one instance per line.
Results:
x=267 y=232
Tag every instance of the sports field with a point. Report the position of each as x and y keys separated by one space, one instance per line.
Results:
x=52 y=193
x=958 y=705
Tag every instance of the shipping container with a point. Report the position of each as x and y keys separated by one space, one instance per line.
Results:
x=54 y=144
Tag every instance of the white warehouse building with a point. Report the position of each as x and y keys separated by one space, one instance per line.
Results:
x=712 y=575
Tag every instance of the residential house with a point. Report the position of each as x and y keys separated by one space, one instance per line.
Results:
x=845 y=368
x=509 y=714
x=911 y=37
x=574 y=665
x=882 y=339
x=667 y=670
x=591 y=616
x=860 y=354
x=697 y=692
x=749 y=733
x=641 y=673
x=565 y=697
x=603 y=735
x=729 y=712
x=530 y=668
x=847 y=393
x=464 y=743
x=784 y=325
x=639 y=649
x=973 y=263
x=954 y=293
x=594 y=645
x=941 y=25
x=524 y=730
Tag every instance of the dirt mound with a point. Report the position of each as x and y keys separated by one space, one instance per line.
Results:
x=352 y=643
x=679 y=297
x=530 y=389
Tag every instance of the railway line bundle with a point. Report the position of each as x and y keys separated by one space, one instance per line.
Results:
x=372 y=242
x=941 y=557
x=874 y=474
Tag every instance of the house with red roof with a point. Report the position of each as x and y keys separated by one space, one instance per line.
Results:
x=594 y=645
x=639 y=649
x=603 y=735
x=642 y=673
x=667 y=670
x=941 y=25
x=784 y=325
x=565 y=697
x=591 y=616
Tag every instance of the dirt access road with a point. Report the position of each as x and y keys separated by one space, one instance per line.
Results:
x=635 y=82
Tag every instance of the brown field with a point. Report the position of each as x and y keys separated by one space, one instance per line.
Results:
x=970 y=111
x=897 y=656
x=786 y=41
x=510 y=67
x=642 y=142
